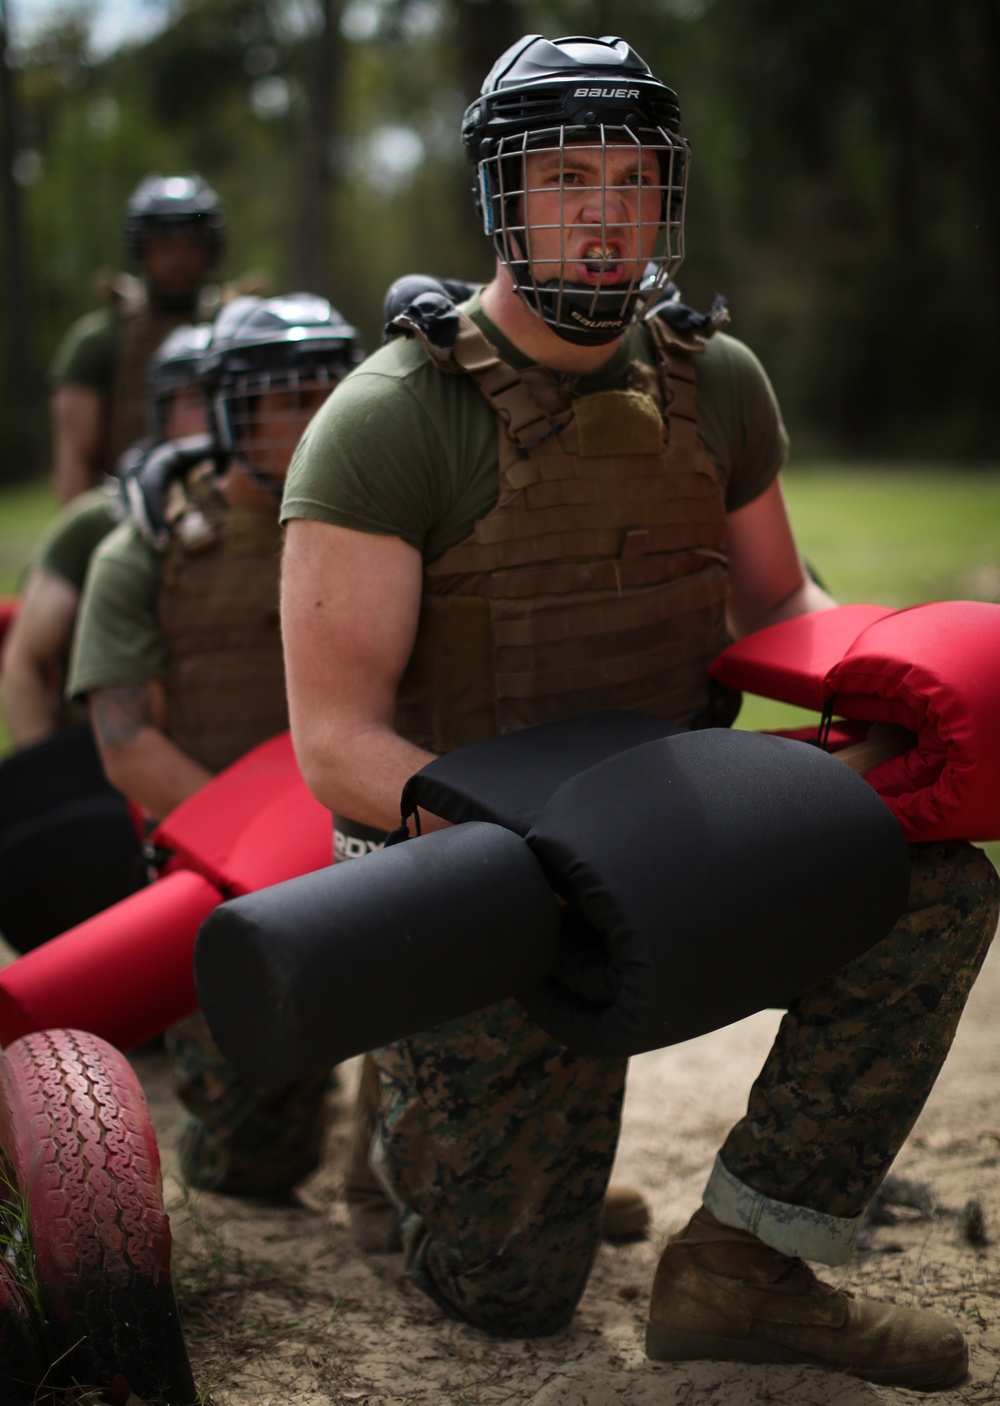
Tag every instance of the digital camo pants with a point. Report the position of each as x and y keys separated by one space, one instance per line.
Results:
x=498 y=1143
x=239 y=1138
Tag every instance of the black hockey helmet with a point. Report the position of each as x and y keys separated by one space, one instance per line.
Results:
x=165 y=202
x=550 y=95
x=298 y=343
x=173 y=368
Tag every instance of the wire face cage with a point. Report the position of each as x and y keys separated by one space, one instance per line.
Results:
x=261 y=415
x=580 y=216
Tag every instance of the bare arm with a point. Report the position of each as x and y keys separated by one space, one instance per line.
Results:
x=349 y=608
x=767 y=581
x=78 y=435
x=139 y=759
x=37 y=644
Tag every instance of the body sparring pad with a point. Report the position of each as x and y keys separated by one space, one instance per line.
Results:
x=254 y=824
x=933 y=669
x=295 y=978
x=508 y=780
x=68 y=847
x=724 y=872
x=124 y=975
x=8 y=609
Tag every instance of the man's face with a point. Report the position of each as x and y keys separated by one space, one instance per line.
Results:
x=185 y=414
x=277 y=422
x=175 y=259
x=593 y=213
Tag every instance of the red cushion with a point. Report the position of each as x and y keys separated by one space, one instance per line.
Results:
x=934 y=669
x=8 y=609
x=125 y=975
x=255 y=824
x=790 y=661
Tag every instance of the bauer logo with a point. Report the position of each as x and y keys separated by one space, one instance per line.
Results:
x=628 y=93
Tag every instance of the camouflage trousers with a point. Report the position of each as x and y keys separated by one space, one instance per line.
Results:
x=497 y=1143
x=239 y=1138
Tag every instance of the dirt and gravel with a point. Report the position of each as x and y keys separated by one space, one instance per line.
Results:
x=280 y=1309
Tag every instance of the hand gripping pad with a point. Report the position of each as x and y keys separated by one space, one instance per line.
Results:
x=934 y=669
x=295 y=978
x=725 y=871
x=507 y=780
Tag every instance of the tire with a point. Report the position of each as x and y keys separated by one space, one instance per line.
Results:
x=80 y=1149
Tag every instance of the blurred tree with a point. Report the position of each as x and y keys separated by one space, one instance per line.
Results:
x=843 y=188
x=20 y=456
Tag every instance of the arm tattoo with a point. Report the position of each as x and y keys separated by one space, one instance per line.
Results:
x=121 y=713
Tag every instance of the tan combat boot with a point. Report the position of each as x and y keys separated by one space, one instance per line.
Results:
x=626 y=1215
x=722 y=1294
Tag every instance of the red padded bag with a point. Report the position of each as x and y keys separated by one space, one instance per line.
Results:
x=126 y=974
x=790 y=661
x=934 y=669
x=254 y=825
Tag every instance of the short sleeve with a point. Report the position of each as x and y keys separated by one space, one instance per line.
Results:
x=118 y=639
x=740 y=420
x=72 y=538
x=86 y=356
x=399 y=449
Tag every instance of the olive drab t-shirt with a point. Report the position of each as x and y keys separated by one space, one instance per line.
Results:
x=73 y=536
x=88 y=353
x=118 y=640
x=401 y=449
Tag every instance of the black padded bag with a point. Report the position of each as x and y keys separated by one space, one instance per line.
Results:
x=724 y=872
x=58 y=770
x=508 y=780
x=68 y=847
x=292 y=979
x=64 y=867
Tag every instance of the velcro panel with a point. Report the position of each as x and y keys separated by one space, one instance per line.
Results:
x=725 y=871
x=934 y=669
x=298 y=977
x=790 y=661
x=508 y=780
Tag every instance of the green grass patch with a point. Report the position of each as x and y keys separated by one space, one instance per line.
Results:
x=25 y=512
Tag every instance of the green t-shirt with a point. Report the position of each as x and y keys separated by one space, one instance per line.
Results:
x=118 y=639
x=400 y=449
x=74 y=535
x=88 y=353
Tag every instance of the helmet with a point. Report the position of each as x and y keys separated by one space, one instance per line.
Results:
x=162 y=202
x=571 y=100
x=297 y=344
x=173 y=369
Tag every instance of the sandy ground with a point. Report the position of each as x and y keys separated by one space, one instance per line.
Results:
x=280 y=1308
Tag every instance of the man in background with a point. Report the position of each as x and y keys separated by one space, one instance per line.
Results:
x=173 y=232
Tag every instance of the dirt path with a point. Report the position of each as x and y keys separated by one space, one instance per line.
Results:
x=280 y=1308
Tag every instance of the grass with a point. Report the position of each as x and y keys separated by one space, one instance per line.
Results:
x=25 y=511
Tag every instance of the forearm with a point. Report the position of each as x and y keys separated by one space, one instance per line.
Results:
x=360 y=772
x=805 y=599
x=139 y=759
x=29 y=700
x=153 y=772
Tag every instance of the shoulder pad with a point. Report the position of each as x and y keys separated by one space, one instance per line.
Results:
x=419 y=303
x=146 y=485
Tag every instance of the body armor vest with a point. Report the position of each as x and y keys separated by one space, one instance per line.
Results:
x=142 y=329
x=218 y=611
x=598 y=581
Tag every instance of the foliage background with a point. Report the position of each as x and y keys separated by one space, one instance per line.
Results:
x=844 y=188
